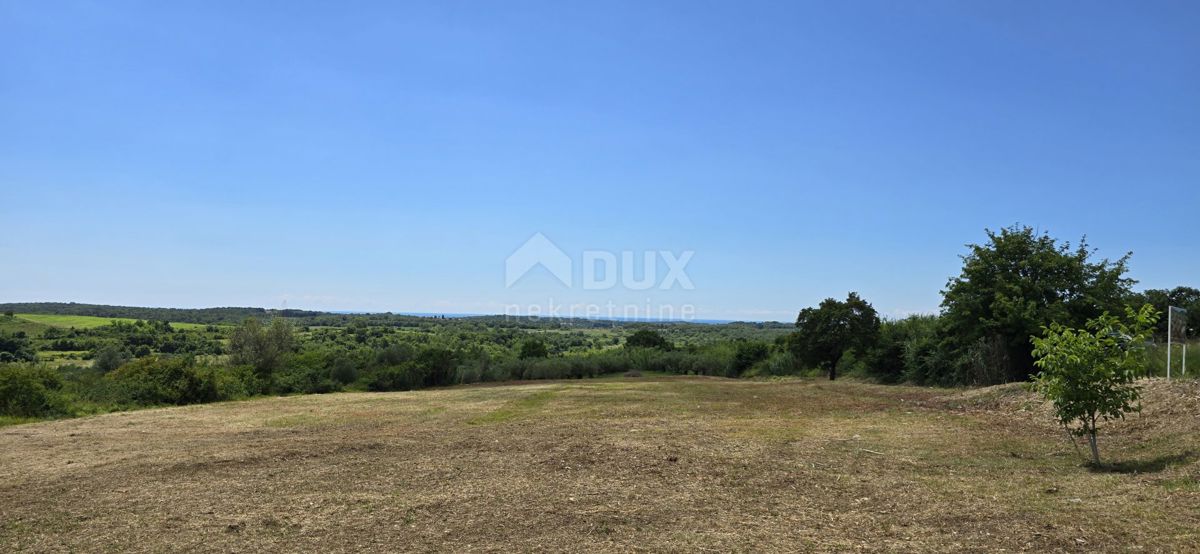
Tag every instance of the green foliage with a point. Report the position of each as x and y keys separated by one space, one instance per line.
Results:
x=746 y=354
x=263 y=348
x=390 y=378
x=342 y=370
x=15 y=347
x=306 y=373
x=903 y=350
x=28 y=390
x=1013 y=286
x=779 y=363
x=1089 y=373
x=533 y=348
x=647 y=338
x=109 y=357
x=394 y=354
x=824 y=334
x=157 y=380
x=234 y=382
x=436 y=366
x=1187 y=298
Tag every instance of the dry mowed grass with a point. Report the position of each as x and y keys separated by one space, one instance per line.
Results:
x=679 y=464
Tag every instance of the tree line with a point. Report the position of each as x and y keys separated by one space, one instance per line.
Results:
x=1010 y=288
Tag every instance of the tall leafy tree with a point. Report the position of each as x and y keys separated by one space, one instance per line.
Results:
x=824 y=333
x=1014 y=285
x=264 y=348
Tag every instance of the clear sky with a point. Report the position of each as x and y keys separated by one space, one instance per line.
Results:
x=390 y=156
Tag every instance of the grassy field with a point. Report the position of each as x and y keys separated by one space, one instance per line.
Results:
x=86 y=322
x=663 y=464
x=15 y=324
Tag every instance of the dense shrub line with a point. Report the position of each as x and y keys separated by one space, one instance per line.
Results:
x=268 y=360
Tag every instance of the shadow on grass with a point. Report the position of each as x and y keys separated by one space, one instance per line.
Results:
x=1153 y=465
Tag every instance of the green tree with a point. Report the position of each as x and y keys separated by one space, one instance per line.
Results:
x=1013 y=286
x=263 y=348
x=109 y=357
x=533 y=348
x=824 y=334
x=647 y=338
x=1187 y=298
x=1089 y=373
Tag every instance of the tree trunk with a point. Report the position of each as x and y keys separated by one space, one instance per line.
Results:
x=833 y=368
x=1092 y=443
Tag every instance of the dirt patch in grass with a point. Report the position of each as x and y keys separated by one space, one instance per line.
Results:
x=682 y=464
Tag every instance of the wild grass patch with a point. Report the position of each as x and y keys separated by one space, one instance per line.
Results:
x=515 y=409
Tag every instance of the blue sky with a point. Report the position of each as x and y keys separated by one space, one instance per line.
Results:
x=390 y=156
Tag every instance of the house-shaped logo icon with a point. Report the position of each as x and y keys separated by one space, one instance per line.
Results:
x=538 y=250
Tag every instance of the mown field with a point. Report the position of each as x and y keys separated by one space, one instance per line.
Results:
x=663 y=464
x=84 y=321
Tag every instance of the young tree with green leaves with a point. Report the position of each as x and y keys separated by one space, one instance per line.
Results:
x=1089 y=373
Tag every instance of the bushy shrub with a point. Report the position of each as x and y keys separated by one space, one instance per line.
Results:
x=779 y=363
x=394 y=354
x=647 y=338
x=305 y=380
x=109 y=357
x=925 y=361
x=31 y=391
x=158 y=380
x=306 y=373
x=533 y=348
x=238 y=381
x=549 y=368
x=476 y=368
x=436 y=366
x=16 y=347
x=888 y=360
x=746 y=354
x=396 y=377
x=343 y=370
x=715 y=360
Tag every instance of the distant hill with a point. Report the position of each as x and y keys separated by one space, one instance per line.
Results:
x=182 y=315
x=235 y=315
